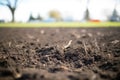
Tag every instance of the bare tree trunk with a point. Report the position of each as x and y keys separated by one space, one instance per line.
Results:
x=11 y=7
x=13 y=15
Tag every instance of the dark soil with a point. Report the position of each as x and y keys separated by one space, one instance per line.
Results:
x=60 y=54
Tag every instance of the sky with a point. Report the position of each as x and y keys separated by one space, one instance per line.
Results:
x=75 y=9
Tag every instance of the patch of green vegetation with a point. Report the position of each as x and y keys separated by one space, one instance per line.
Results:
x=61 y=24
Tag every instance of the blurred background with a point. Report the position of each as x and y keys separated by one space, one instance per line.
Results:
x=59 y=10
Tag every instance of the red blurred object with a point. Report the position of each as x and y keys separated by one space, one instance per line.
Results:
x=95 y=20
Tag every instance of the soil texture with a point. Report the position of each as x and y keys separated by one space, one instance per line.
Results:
x=60 y=53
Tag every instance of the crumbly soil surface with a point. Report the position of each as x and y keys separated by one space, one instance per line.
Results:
x=59 y=53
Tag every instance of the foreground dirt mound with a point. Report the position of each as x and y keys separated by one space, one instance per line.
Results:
x=60 y=54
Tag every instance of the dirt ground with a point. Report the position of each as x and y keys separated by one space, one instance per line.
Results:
x=59 y=53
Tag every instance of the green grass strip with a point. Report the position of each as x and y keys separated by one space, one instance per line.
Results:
x=60 y=24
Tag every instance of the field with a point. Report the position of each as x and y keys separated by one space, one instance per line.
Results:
x=62 y=24
x=59 y=53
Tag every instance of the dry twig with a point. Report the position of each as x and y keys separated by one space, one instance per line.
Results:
x=85 y=47
x=96 y=44
x=66 y=46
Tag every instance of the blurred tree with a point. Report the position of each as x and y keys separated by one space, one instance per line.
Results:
x=86 y=16
x=56 y=15
x=12 y=5
x=39 y=17
x=115 y=16
x=35 y=19
x=31 y=17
